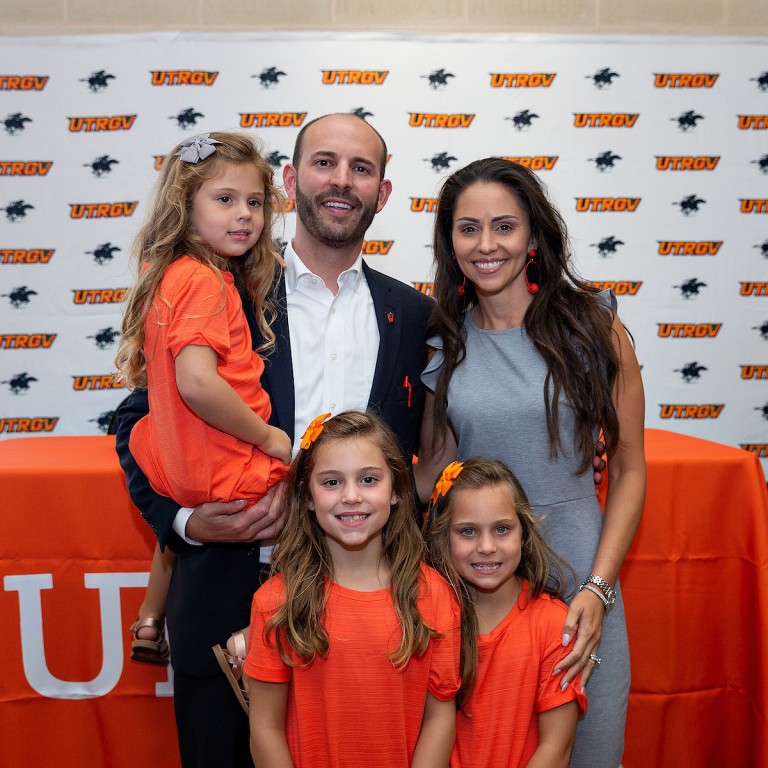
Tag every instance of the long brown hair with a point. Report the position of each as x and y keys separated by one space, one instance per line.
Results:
x=545 y=571
x=566 y=322
x=167 y=234
x=303 y=560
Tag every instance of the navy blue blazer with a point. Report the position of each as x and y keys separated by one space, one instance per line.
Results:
x=213 y=584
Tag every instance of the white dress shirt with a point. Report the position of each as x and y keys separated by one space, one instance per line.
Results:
x=334 y=341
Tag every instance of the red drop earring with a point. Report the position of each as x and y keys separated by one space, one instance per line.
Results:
x=531 y=272
x=460 y=289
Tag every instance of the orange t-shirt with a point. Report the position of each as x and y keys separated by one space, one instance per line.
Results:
x=182 y=456
x=514 y=685
x=353 y=707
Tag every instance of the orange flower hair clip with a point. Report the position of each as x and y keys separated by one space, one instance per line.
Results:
x=313 y=431
x=444 y=484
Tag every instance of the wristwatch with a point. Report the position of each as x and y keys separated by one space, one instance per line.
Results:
x=608 y=592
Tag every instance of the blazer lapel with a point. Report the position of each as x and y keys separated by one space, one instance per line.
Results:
x=277 y=379
x=389 y=318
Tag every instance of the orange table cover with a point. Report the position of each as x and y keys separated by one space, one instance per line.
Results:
x=74 y=553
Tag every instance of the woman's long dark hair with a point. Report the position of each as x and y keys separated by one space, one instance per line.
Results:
x=566 y=322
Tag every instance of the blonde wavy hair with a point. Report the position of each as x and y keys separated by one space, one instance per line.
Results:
x=545 y=571
x=304 y=563
x=167 y=234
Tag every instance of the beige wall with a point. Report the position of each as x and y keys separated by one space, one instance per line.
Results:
x=697 y=17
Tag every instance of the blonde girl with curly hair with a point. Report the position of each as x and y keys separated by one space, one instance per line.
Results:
x=186 y=337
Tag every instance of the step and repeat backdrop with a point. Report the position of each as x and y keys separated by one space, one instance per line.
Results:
x=654 y=149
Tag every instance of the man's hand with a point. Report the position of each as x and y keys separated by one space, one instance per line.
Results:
x=230 y=522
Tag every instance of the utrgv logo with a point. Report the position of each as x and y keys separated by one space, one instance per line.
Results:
x=19 y=297
x=23 y=82
x=97 y=81
x=440 y=162
x=26 y=255
x=187 y=118
x=104 y=253
x=535 y=162
x=25 y=167
x=690 y=372
x=24 y=424
x=17 y=210
x=19 y=383
x=684 y=80
x=39 y=677
x=522 y=121
x=522 y=79
x=184 y=77
x=687 y=120
x=438 y=78
x=690 y=288
x=752 y=122
x=607 y=246
x=689 y=247
x=354 y=76
x=603 y=78
x=14 y=123
x=269 y=77
x=102 y=166
x=27 y=340
x=605 y=161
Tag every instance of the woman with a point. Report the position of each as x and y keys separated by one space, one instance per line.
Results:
x=529 y=365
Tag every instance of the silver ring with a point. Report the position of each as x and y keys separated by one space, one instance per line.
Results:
x=595 y=658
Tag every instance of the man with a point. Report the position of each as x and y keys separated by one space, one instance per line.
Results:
x=347 y=337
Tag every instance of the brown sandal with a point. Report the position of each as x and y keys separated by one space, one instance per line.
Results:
x=149 y=651
x=232 y=667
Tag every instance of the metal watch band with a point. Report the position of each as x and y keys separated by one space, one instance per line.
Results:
x=604 y=586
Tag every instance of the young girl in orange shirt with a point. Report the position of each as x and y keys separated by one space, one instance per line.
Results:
x=483 y=538
x=186 y=338
x=354 y=644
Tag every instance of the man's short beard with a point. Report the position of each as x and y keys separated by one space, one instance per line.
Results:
x=307 y=209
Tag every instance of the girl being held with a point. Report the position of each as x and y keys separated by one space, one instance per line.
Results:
x=354 y=644
x=483 y=538
x=186 y=338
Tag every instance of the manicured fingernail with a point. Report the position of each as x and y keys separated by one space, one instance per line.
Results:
x=566 y=639
x=240 y=502
x=563 y=686
x=556 y=673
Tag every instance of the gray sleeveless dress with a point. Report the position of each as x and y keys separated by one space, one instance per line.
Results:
x=496 y=406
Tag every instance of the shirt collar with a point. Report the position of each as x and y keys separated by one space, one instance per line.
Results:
x=296 y=269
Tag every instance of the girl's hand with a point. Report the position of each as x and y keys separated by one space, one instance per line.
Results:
x=585 y=621
x=277 y=445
